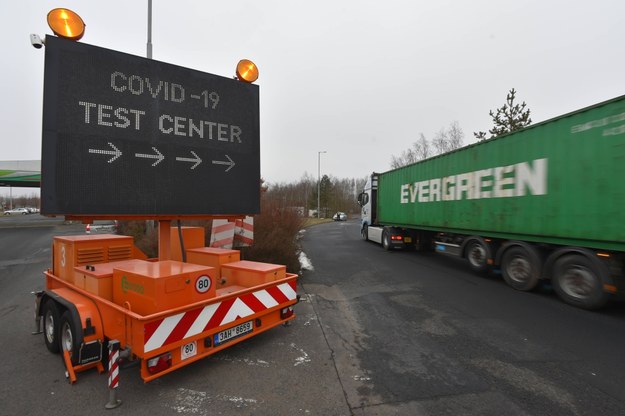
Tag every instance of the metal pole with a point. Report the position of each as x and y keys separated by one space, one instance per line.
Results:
x=319 y=181
x=149 y=46
x=113 y=375
x=149 y=223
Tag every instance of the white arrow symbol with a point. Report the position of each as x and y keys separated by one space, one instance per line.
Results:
x=197 y=159
x=159 y=157
x=230 y=163
x=115 y=153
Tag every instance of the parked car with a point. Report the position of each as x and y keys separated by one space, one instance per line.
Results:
x=339 y=216
x=103 y=226
x=17 y=211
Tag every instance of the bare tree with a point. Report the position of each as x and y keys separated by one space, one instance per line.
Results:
x=455 y=136
x=418 y=151
x=445 y=140
x=422 y=147
x=407 y=157
x=441 y=142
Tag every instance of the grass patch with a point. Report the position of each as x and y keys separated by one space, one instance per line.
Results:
x=309 y=222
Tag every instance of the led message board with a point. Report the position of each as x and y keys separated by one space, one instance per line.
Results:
x=125 y=135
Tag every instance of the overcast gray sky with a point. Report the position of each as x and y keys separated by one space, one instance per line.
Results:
x=358 y=79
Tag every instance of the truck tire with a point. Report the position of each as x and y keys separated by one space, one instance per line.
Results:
x=364 y=232
x=520 y=268
x=386 y=240
x=577 y=282
x=68 y=336
x=477 y=256
x=51 y=319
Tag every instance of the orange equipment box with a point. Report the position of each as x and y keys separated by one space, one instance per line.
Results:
x=213 y=257
x=150 y=287
x=193 y=237
x=250 y=273
x=78 y=250
x=98 y=279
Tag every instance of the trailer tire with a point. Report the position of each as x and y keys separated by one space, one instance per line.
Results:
x=477 y=256
x=68 y=336
x=51 y=319
x=578 y=282
x=520 y=268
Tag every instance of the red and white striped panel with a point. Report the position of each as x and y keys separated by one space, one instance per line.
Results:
x=187 y=324
x=222 y=234
x=244 y=232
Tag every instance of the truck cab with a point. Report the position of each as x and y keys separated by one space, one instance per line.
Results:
x=365 y=200
x=389 y=237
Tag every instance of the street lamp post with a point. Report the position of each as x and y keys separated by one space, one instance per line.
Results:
x=149 y=44
x=319 y=180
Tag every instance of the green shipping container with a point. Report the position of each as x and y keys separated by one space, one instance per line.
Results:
x=561 y=181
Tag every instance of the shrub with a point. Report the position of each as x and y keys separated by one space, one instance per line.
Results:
x=145 y=235
x=275 y=235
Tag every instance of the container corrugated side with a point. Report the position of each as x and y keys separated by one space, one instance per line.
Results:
x=579 y=201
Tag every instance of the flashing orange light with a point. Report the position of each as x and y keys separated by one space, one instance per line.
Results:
x=66 y=24
x=247 y=71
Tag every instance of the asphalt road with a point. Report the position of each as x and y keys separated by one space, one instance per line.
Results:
x=377 y=333
x=419 y=334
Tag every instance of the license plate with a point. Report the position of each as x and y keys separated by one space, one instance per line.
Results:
x=188 y=350
x=234 y=332
x=407 y=239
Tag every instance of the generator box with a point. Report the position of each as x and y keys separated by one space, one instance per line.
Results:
x=213 y=257
x=79 y=250
x=251 y=273
x=98 y=278
x=193 y=237
x=151 y=287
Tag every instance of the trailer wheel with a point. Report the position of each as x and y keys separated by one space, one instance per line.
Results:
x=68 y=336
x=520 y=268
x=577 y=282
x=386 y=240
x=477 y=255
x=51 y=319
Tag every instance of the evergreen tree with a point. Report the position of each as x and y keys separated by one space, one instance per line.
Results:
x=507 y=119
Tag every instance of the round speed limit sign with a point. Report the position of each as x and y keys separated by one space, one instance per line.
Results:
x=203 y=284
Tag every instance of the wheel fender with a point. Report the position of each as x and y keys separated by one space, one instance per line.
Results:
x=83 y=311
x=470 y=239
x=602 y=267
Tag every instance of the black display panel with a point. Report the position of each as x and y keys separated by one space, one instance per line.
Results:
x=125 y=135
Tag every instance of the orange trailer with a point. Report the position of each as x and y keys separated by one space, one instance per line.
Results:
x=165 y=313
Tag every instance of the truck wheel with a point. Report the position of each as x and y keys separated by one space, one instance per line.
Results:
x=520 y=269
x=577 y=282
x=386 y=240
x=364 y=232
x=68 y=336
x=477 y=256
x=51 y=318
